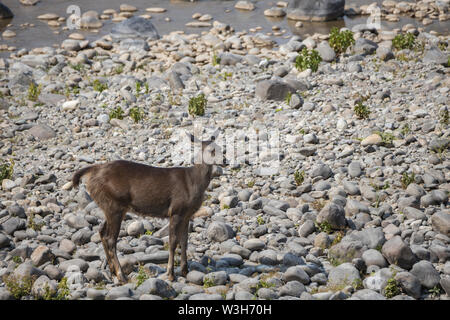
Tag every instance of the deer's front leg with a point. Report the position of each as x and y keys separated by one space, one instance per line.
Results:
x=172 y=247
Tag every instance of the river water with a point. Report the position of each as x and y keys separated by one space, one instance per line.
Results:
x=179 y=12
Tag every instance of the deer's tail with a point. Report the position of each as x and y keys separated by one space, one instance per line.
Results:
x=77 y=176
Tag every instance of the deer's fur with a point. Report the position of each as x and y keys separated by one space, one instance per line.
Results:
x=123 y=186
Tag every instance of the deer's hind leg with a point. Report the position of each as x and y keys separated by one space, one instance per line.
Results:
x=109 y=232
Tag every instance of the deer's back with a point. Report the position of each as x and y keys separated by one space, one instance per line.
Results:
x=144 y=189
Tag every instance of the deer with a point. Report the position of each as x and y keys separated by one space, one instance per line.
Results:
x=122 y=186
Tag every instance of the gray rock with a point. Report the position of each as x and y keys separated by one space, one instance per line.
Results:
x=273 y=90
x=434 y=55
x=229 y=59
x=135 y=27
x=413 y=213
x=445 y=284
x=157 y=287
x=370 y=237
x=42 y=132
x=268 y=257
x=206 y=296
x=254 y=244
x=243 y=295
x=397 y=252
x=326 y=52
x=364 y=46
x=43 y=286
x=385 y=53
x=76 y=221
x=426 y=273
x=354 y=169
x=41 y=255
x=195 y=276
x=118 y=292
x=5 y=12
x=367 y=294
x=217 y=278
x=13 y=224
x=96 y=294
x=27 y=270
x=409 y=284
x=296 y=101
x=296 y=273
x=321 y=170
x=344 y=274
x=135 y=229
x=4 y=241
x=306 y=228
x=219 y=231
x=346 y=251
x=82 y=236
x=4 y=293
x=292 y=288
x=81 y=264
x=441 y=222
x=311 y=10
x=333 y=214
x=373 y=257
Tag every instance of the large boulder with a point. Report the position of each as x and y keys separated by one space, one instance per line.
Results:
x=396 y=251
x=273 y=90
x=5 y=12
x=316 y=10
x=135 y=27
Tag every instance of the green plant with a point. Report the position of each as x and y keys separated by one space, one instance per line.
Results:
x=407 y=179
x=308 y=59
x=208 y=282
x=18 y=286
x=138 y=88
x=357 y=284
x=17 y=259
x=392 y=288
x=250 y=184
x=226 y=75
x=63 y=290
x=324 y=227
x=264 y=284
x=405 y=129
x=6 y=170
x=340 y=40
x=435 y=291
x=288 y=97
x=119 y=69
x=34 y=91
x=404 y=41
x=361 y=110
x=33 y=225
x=338 y=237
x=386 y=137
x=318 y=204
x=443 y=116
x=197 y=105
x=97 y=85
x=299 y=177
x=136 y=114
x=215 y=60
x=260 y=220
x=146 y=88
x=116 y=113
x=148 y=232
x=141 y=276
x=78 y=67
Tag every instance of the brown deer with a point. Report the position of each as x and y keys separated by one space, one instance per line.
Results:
x=177 y=193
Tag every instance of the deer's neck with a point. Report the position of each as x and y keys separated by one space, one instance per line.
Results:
x=201 y=174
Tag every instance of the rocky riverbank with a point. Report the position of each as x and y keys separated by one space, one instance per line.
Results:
x=358 y=210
